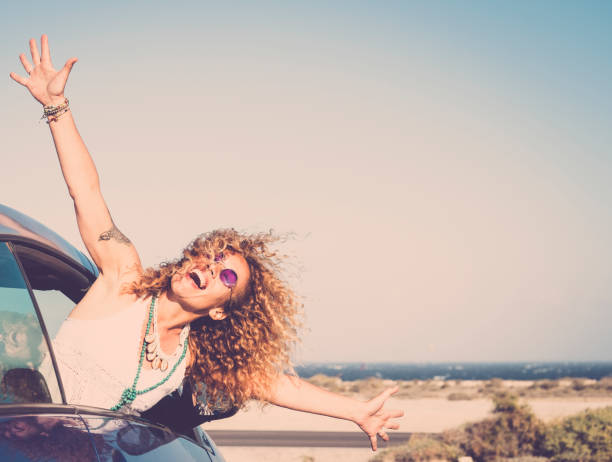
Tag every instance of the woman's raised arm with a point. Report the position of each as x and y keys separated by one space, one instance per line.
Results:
x=112 y=252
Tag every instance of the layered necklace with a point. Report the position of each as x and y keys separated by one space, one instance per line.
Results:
x=154 y=353
x=151 y=348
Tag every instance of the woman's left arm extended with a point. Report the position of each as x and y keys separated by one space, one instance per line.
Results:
x=295 y=393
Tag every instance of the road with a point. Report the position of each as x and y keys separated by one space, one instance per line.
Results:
x=300 y=439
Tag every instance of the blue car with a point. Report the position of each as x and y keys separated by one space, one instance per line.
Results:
x=42 y=277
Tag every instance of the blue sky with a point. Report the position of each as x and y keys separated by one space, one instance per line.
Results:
x=444 y=165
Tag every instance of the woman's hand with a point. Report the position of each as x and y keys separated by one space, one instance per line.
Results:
x=374 y=419
x=45 y=83
x=295 y=393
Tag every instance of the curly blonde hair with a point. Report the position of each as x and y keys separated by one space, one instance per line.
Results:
x=239 y=357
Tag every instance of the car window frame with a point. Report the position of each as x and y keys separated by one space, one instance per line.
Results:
x=10 y=242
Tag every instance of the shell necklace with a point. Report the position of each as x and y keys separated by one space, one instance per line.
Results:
x=155 y=355
x=130 y=393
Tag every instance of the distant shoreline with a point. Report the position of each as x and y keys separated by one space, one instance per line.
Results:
x=519 y=370
x=466 y=390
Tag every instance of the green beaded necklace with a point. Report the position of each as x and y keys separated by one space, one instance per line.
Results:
x=130 y=394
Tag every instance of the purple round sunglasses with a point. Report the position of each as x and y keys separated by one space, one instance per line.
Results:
x=228 y=277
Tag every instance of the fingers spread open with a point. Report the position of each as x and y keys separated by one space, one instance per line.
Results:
x=373 y=442
x=383 y=435
x=45 y=56
x=392 y=426
x=18 y=78
x=34 y=51
x=26 y=64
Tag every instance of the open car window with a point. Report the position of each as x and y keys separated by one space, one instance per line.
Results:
x=57 y=286
x=23 y=349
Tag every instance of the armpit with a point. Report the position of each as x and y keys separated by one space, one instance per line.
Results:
x=115 y=234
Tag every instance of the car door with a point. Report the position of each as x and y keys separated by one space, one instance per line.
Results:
x=137 y=440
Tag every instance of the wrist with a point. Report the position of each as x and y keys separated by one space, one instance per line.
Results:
x=53 y=112
x=55 y=100
x=359 y=413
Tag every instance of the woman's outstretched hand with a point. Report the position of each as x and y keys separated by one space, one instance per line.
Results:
x=45 y=83
x=374 y=419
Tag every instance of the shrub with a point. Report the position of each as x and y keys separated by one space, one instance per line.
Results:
x=605 y=383
x=371 y=385
x=586 y=437
x=495 y=382
x=548 y=384
x=329 y=383
x=514 y=431
x=505 y=402
x=420 y=448
x=579 y=384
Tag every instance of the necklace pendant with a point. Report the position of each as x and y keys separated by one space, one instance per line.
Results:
x=163 y=365
x=151 y=356
x=150 y=337
x=152 y=347
x=156 y=363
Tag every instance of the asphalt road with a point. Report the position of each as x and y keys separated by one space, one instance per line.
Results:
x=301 y=439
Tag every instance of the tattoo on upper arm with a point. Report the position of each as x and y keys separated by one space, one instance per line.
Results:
x=114 y=233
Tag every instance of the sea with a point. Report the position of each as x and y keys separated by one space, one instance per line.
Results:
x=459 y=371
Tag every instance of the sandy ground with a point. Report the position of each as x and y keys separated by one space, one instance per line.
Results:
x=421 y=415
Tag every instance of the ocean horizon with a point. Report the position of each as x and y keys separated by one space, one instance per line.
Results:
x=520 y=370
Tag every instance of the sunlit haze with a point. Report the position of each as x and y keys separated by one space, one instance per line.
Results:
x=444 y=167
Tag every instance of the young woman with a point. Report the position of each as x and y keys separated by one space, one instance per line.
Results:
x=219 y=317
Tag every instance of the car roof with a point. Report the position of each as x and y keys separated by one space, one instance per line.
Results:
x=15 y=226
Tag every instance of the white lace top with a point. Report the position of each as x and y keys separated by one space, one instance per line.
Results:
x=98 y=359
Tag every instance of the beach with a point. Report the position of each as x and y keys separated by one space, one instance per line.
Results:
x=422 y=414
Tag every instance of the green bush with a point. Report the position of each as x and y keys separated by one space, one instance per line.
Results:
x=548 y=384
x=420 y=448
x=605 y=383
x=495 y=383
x=505 y=402
x=579 y=384
x=329 y=383
x=586 y=437
x=513 y=432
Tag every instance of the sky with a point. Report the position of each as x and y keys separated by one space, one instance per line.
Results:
x=443 y=168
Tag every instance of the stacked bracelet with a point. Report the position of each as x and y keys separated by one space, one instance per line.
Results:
x=52 y=113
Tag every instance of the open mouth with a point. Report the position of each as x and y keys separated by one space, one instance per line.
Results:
x=196 y=278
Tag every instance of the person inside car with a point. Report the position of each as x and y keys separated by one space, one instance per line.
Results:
x=220 y=316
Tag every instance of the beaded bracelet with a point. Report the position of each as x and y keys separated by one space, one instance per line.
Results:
x=53 y=113
x=55 y=117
